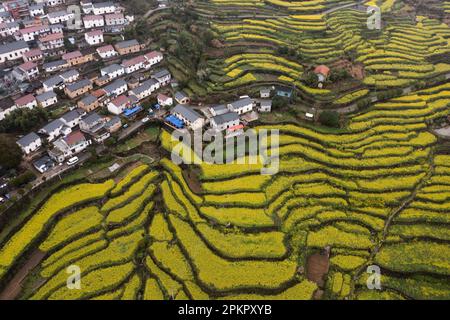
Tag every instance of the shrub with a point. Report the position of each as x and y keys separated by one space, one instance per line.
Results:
x=329 y=119
x=23 y=179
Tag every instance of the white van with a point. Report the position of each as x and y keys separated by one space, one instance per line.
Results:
x=72 y=161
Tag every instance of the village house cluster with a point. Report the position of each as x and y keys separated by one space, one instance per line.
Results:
x=230 y=117
x=51 y=58
x=97 y=78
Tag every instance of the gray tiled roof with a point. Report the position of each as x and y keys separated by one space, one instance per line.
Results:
x=241 y=103
x=87 y=100
x=180 y=95
x=70 y=116
x=111 y=68
x=78 y=85
x=113 y=86
x=219 y=107
x=28 y=139
x=112 y=121
x=103 y=4
x=57 y=14
x=45 y=96
x=52 y=126
x=226 y=117
x=53 y=81
x=144 y=86
x=161 y=73
x=12 y=46
x=186 y=112
x=91 y=118
x=127 y=43
x=69 y=73
x=54 y=64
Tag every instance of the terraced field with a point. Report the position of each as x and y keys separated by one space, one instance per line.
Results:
x=252 y=32
x=376 y=193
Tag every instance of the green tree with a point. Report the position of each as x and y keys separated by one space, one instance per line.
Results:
x=329 y=118
x=279 y=102
x=24 y=120
x=11 y=154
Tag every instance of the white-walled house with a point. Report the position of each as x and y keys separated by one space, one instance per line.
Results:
x=71 y=118
x=51 y=41
x=26 y=71
x=115 y=19
x=36 y=9
x=93 y=21
x=218 y=110
x=145 y=89
x=225 y=121
x=59 y=17
x=241 y=106
x=52 y=130
x=8 y=28
x=30 y=33
x=163 y=76
x=13 y=51
x=70 y=76
x=57 y=65
x=94 y=37
x=113 y=71
x=28 y=101
x=47 y=99
x=33 y=55
x=164 y=100
x=55 y=82
x=69 y=146
x=54 y=3
x=118 y=105
x=134 y=64
x=29 y=143
x=116 y=88
x=107 y=52
x=103 y=7
x=190 y=117
x=153 y=58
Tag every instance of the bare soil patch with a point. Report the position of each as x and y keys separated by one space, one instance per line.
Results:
x=14 y=287
x=317 y=267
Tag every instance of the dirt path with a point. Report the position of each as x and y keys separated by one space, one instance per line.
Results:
x=14 y=287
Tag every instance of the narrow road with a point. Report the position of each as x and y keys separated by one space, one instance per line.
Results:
x=14 y=287
x=151 y=11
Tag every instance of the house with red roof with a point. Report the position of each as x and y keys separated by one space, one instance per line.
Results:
x=51 y=41
x=33 y=55
x=26 y=71
x=76 y=57
x=322 y=72
x=118 y=105
x=93 y=21
x=106 y=52
x=164 y=100
x=69 y=146
x=30 y=33
x=134 y=64
x=28 y=101
x=153 y=58
x=94 y=37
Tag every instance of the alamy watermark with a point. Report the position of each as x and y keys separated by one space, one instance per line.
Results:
x=74 y=278
x=374 y=280
x=251 y=147
x=374 y=20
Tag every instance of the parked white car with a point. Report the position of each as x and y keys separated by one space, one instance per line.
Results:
x=72 y=161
